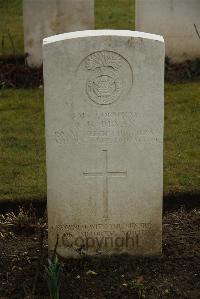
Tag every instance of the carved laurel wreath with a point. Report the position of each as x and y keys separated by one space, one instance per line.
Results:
x=103 y=59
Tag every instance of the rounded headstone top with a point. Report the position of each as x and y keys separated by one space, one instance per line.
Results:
x=95 y=33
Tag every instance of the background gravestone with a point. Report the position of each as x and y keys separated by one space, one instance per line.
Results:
x=43 y=18
x=178 y=21
x=104 y=138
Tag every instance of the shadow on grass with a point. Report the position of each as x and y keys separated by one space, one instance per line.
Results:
x=187 y=200
x=15 y=73
x=39 y=204
x=171 y=202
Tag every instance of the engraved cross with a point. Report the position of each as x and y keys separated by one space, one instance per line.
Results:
x=106 y=174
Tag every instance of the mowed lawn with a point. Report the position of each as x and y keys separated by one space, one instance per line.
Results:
x=11 y=28
x=22 y=163
x=113 y=14
x=182 y=138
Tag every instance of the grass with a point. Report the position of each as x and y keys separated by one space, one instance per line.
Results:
x=182 y=146
x=11 y=28
x=113 y=14
x=22 y=164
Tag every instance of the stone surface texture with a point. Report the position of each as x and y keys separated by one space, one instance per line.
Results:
x=104 y=141
x=178 y=21
x=44 y=18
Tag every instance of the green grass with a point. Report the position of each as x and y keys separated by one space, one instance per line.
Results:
x=182 y=138
x=109 y=14
x=115 y=14
x=22 y=164
x=11 y=28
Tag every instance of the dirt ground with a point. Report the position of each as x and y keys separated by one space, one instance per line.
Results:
x=176 y=274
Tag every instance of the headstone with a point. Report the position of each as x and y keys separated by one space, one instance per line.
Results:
x=104 y=140
x=43 y=18
x=178 y=21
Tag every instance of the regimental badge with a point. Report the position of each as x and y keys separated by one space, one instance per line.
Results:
x=105 y=82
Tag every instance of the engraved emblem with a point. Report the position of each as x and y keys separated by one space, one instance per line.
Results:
x=104 y=86
x=105 y=82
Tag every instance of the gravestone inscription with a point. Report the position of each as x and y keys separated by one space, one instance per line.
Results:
x=104 y=141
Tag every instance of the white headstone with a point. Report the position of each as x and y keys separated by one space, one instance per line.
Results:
x=104 y=140
x=43 y=18
x=178 y=21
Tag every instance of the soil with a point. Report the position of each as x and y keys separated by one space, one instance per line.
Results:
x=15 y=73
x=183 y=72
x=176 y=274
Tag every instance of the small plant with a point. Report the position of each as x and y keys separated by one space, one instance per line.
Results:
x=139 y=287
x=53 y=276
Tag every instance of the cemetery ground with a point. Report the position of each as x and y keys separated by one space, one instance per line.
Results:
x=23 y=231
x=175 y=274
x=22 y=167
x=23 y=234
